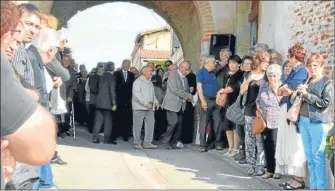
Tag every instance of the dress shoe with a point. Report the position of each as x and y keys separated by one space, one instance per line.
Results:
x=111 y=142
x=58 y=160
x=219 y=148
x=95 y=141
x=149 y=146
x=138 y=147
x=243 y=161
x=203 y=150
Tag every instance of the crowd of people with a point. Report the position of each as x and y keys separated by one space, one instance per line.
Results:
x=270 y=115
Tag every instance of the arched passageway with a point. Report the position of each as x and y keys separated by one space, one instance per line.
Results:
x=191 y=20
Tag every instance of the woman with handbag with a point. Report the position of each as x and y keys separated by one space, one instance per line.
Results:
x=230 y=93
x=268 y=104
x=315 y=114
x=290 y=157
x=249 y=90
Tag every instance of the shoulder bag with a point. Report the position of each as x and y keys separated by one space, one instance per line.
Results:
x=221 y=98
x=293 y=113
x=258 y=124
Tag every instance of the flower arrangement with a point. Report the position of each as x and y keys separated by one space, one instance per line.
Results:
x=330 y=147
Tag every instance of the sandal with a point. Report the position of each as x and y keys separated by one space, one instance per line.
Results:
x=290 y=187
x=277 y=176
x=267 y=175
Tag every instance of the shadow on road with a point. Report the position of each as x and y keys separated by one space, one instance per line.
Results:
x=212 y=167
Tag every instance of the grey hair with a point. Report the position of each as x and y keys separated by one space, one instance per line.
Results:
x=208 y=58
x=185 y=62
x=144 y=68
x=226 y=49
x=274 y=68
x=46 y=39
x=262 y=46
x=188 y=62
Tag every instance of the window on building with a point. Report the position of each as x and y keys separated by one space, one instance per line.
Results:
x=254 y=32
x=253 y=19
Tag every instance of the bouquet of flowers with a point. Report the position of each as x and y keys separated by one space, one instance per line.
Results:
x=330 y=147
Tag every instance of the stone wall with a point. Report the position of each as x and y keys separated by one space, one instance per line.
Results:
x=311 y=23
x=313 y=26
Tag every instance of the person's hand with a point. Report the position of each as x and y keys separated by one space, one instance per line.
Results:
x=302 y=88
x=69 y=99
x=204 y=105
x=228 y=90
x=57 y=82
x=221 y=91
x=157 y=106
x=7 y=160
x=274 y=86
x=149 y=106
x=190 y=98
x=259 y=109
x=114 y=108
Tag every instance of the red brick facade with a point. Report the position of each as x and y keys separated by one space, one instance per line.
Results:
x=313 y=27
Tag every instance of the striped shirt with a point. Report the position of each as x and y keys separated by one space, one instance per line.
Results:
x=22 y=64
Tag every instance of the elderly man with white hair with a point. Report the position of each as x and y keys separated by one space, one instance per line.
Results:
x=207 y=89
x=144 y=102
x=41 y=51
x=177 y=93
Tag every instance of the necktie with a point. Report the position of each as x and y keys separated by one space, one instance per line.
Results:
x=125 y=75
x=184 y=84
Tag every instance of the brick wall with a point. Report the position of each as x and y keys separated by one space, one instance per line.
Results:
x=312 y=25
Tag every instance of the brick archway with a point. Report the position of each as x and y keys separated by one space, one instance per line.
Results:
x=191 y=20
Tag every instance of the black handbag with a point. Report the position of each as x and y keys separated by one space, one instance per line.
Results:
x=235 y=112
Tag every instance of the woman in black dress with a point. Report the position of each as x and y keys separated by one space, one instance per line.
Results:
x=231 y=87
x=187 y=133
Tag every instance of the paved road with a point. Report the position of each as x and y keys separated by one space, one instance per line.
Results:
x=98 y=166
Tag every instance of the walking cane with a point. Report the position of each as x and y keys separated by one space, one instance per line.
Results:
x=73 y=123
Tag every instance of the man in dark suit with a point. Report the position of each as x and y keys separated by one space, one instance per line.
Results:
x=105 y=104
x=124 y=84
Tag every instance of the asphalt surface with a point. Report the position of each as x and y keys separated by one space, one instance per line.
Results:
x=99 y=166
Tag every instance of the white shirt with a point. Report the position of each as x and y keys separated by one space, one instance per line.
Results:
x=87 y=90
x=182 y=78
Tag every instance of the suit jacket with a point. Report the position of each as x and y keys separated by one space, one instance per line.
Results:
x=124 y=88
x=221 y=72
x=69 y=87
x=106 y=97
x=176 y=95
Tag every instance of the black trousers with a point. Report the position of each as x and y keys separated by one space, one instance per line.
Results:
x=241 y=137
x=188 y=124
x=124 y=121
x=81 y=114
x=103 y=117
x=175 y=124
x=269 y=137
x=91 y=116
x=332 y=163
x=212 y=113
x=160 y=123
x=65 y=126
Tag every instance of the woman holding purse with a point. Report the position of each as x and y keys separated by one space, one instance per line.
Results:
x=315 y=115
x=290 y=157
x=232 y=87
x=268 y=104
x=250 y=89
